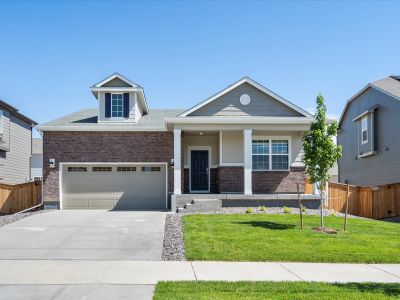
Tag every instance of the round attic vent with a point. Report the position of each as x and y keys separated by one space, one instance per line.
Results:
x=244 y=99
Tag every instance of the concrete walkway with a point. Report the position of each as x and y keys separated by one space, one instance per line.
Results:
x=79 y=272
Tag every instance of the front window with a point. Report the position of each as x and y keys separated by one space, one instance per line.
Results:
x=117 y=106
x=270 y=154
x=364 y=130
x=280 y=155
x=260 y=155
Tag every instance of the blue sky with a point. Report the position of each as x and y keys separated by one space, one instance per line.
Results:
x=182 y=52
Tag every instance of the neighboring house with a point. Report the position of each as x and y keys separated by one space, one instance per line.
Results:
x=244 y=139
x=369 y=131
x=15 y=145
x=37 y=159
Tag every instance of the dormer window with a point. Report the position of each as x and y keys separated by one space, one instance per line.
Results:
x=117 y=107
x=120 y=100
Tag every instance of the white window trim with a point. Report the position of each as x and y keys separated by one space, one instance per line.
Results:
x=270 y=139
x=205 y=148
x=362 y=120
x=117 y=118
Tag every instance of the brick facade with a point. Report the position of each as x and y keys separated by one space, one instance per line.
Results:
x=103 y=147
x=151 y=147
x=231 y=179
x=279 y=181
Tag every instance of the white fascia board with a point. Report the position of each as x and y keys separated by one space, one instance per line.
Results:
x=239 y=120
x=254 y=84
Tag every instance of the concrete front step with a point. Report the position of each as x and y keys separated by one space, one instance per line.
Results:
x=201 y=205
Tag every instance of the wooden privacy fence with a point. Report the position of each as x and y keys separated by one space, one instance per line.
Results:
x=15 y=198
x=375 y=203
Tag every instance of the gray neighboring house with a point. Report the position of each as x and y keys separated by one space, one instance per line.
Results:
x=369 y=131
x=244 y=139
x=37 y=159
x=15 y=145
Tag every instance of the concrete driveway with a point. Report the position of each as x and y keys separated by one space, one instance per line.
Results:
x=85 y=235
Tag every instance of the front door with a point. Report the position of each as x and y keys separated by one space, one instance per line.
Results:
x=199 y=172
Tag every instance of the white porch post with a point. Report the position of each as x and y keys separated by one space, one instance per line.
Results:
x=247 y=141
x=177 y=161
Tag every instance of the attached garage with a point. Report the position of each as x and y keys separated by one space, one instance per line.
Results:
x=114 y=186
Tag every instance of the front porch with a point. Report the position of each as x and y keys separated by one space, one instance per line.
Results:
x=241 y=200
x=238 y=162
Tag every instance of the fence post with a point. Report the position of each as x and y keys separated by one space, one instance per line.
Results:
x=300 y=206
x=347 y=208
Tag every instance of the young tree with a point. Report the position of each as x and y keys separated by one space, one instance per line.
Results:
x=320 y=151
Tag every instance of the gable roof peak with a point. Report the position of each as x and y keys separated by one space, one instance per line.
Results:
x=256 y=85
x=113 y=76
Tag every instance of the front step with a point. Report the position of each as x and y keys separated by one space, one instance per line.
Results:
x=201 y=205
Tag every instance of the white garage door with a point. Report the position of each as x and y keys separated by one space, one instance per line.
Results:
x=121 y=187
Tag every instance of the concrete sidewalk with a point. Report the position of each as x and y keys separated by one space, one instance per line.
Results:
x=79 y=272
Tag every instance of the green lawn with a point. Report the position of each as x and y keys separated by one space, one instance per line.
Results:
x=210 y=290
x=262 y=237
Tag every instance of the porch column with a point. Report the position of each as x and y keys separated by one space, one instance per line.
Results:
x=247 y=141
x=177 y=162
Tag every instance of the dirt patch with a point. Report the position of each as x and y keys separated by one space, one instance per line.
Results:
x=325 y=230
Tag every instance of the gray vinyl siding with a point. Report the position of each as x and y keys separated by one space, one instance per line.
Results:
x=260 y=105
x=5 y=139
x=15 y=163
x=379 y=169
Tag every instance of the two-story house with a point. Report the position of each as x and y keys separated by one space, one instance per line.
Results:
x=15 y=145
x=369 y=131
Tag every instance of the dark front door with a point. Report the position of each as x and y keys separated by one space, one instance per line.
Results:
x=199 y=170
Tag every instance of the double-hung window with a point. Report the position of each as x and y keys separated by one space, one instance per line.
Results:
x=270 y=154
x=364 y=130
x=280 y=154
x=260 y=154
x=117 y=105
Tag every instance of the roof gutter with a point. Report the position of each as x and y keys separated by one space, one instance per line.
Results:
x=238 y=120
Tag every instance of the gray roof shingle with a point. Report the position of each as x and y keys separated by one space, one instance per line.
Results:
x=86 y=119
x=389 y=84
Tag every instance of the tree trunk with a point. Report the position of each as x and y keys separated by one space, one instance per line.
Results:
x=321 y=192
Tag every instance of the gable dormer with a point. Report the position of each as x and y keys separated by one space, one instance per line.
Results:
x=119 y=100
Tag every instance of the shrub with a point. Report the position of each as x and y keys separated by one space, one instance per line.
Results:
x=262 y=208
x=287 y=210
x=249 y=211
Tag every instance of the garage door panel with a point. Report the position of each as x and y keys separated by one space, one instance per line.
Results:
x=118 y=190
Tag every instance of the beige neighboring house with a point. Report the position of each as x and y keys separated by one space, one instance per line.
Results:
x=15 y=145
x=37 y=159
x=243 y=140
